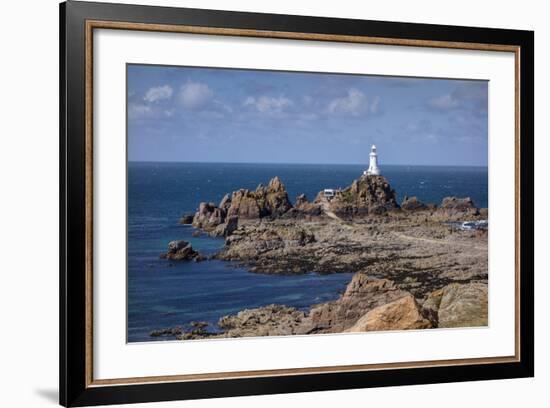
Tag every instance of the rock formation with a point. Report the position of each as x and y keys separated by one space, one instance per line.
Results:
x=270 y=201
x=401 y=314
x=304 y=207
x=181 y=251
x=461 y=305
x=367 y=195
x=186 y=219
x=362 y=295
x=453 y=208
x=271 y=320
x=209 y=216
x=263 y=202
x=413 y=204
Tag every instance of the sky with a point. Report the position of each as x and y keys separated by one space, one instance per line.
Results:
x=190 y=114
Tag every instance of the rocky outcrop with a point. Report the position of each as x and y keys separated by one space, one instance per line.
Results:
x=270 y=250
x=413 y=204
x=186 y=219
x=221 y=220
x=304 y=207
x=271 y=320
x=181 y=251
x=453 y=208
x=464 y=305
x=362 y=295
x=209 y=216
x=263 y=202
x=366 y=195
x=401 y=314
x=227 y=228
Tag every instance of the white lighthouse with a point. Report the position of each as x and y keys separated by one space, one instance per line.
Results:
x=373 y=169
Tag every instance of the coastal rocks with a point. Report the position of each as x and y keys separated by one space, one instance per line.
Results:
x=263 y=202
x=453 y=208
x=271 y=320
x=304 y=207
x=244 y=204
x=464 y=305
x=208 y=216
x=276 y=197
x=401 y=314
x=181 y=251
x=271 y=201
x=227 y=228
x=413 y=204
x=186 y=219
x=168 y=332
x=230 y=226
x=198 y=331
x=367 y=195
x=362 y=295
x=266 y=249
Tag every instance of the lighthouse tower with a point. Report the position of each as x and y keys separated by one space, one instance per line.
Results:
x=373 y=169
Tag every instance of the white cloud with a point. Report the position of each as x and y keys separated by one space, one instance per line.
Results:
x=355 y=103
x=194 y=95
x=268 y=105
x=158 y=93
x=139 y=111
x=444 y=102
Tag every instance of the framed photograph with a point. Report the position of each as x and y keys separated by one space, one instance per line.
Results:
x=256 y=203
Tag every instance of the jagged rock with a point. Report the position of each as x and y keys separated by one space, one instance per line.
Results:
x=453 y=208
x=226 y=229
x=244 y=204
x=272 y=320
x=362 y=295
x=265 y=201
x=464 y=305
x=366 y=195
x=401 y=314
x=209 y=216
x=225 y=203
x=301 y=200
x=304 y=207
x=186 y=219
x=231 y=225
x=412 y=204
x=458 y=204
x=181 y=251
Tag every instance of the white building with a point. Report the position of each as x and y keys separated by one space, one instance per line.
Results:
x=373 y=169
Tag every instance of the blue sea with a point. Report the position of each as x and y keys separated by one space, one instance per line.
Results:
x=165 y=294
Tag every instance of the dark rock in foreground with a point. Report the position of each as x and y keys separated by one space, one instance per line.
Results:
x=186 y=219
x=181 y=251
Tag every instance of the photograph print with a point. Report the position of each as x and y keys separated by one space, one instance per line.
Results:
x=275 y=203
